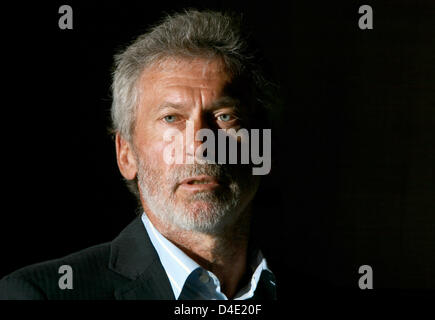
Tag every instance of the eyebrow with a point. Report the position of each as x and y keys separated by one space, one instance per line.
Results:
x=225 y=101
x=166 y=105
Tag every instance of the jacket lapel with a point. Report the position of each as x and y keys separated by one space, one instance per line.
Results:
x=133 y=256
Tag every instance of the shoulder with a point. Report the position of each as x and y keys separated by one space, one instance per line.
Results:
x=41 y=280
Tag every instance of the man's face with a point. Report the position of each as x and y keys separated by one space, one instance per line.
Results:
x=206 y=197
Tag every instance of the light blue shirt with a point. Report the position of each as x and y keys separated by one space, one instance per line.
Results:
x=189 y=281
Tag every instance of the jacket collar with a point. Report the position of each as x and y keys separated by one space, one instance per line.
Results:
x=133 y=256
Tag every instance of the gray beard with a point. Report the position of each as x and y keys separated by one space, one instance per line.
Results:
x=223 y=208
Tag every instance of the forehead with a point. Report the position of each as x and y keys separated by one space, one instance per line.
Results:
x=183 y=75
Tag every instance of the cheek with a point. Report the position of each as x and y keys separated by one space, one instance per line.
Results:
x=152 y=153
x=150 y=143
x=161 y=147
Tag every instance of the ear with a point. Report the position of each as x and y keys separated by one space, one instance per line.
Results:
x=125 y=158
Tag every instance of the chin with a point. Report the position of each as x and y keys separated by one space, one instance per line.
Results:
x=205 y=216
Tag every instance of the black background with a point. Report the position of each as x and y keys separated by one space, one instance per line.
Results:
x=354 y=177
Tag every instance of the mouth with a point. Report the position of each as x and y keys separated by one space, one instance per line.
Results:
x=199 y=183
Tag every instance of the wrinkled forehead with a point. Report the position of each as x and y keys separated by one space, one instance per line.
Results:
x=198 y=72
x=181 y=80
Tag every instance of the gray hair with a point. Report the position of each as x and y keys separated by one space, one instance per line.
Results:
x=204 y=34
x=190 y=34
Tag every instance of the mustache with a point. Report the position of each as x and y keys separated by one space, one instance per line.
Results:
x=224 y=173
x=182 y=172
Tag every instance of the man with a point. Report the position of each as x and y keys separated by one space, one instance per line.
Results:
x=193 y=72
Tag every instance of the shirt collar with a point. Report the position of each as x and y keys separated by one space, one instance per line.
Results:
x=179 y=266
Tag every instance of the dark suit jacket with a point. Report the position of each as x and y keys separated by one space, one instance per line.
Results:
x=128 y=268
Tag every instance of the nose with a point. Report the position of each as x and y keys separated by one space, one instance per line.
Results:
x=193 y=126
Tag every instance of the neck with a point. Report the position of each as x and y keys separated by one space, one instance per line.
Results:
x=224 y=254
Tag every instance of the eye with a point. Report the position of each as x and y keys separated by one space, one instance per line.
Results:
x=224 y=117
x=170 y=119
